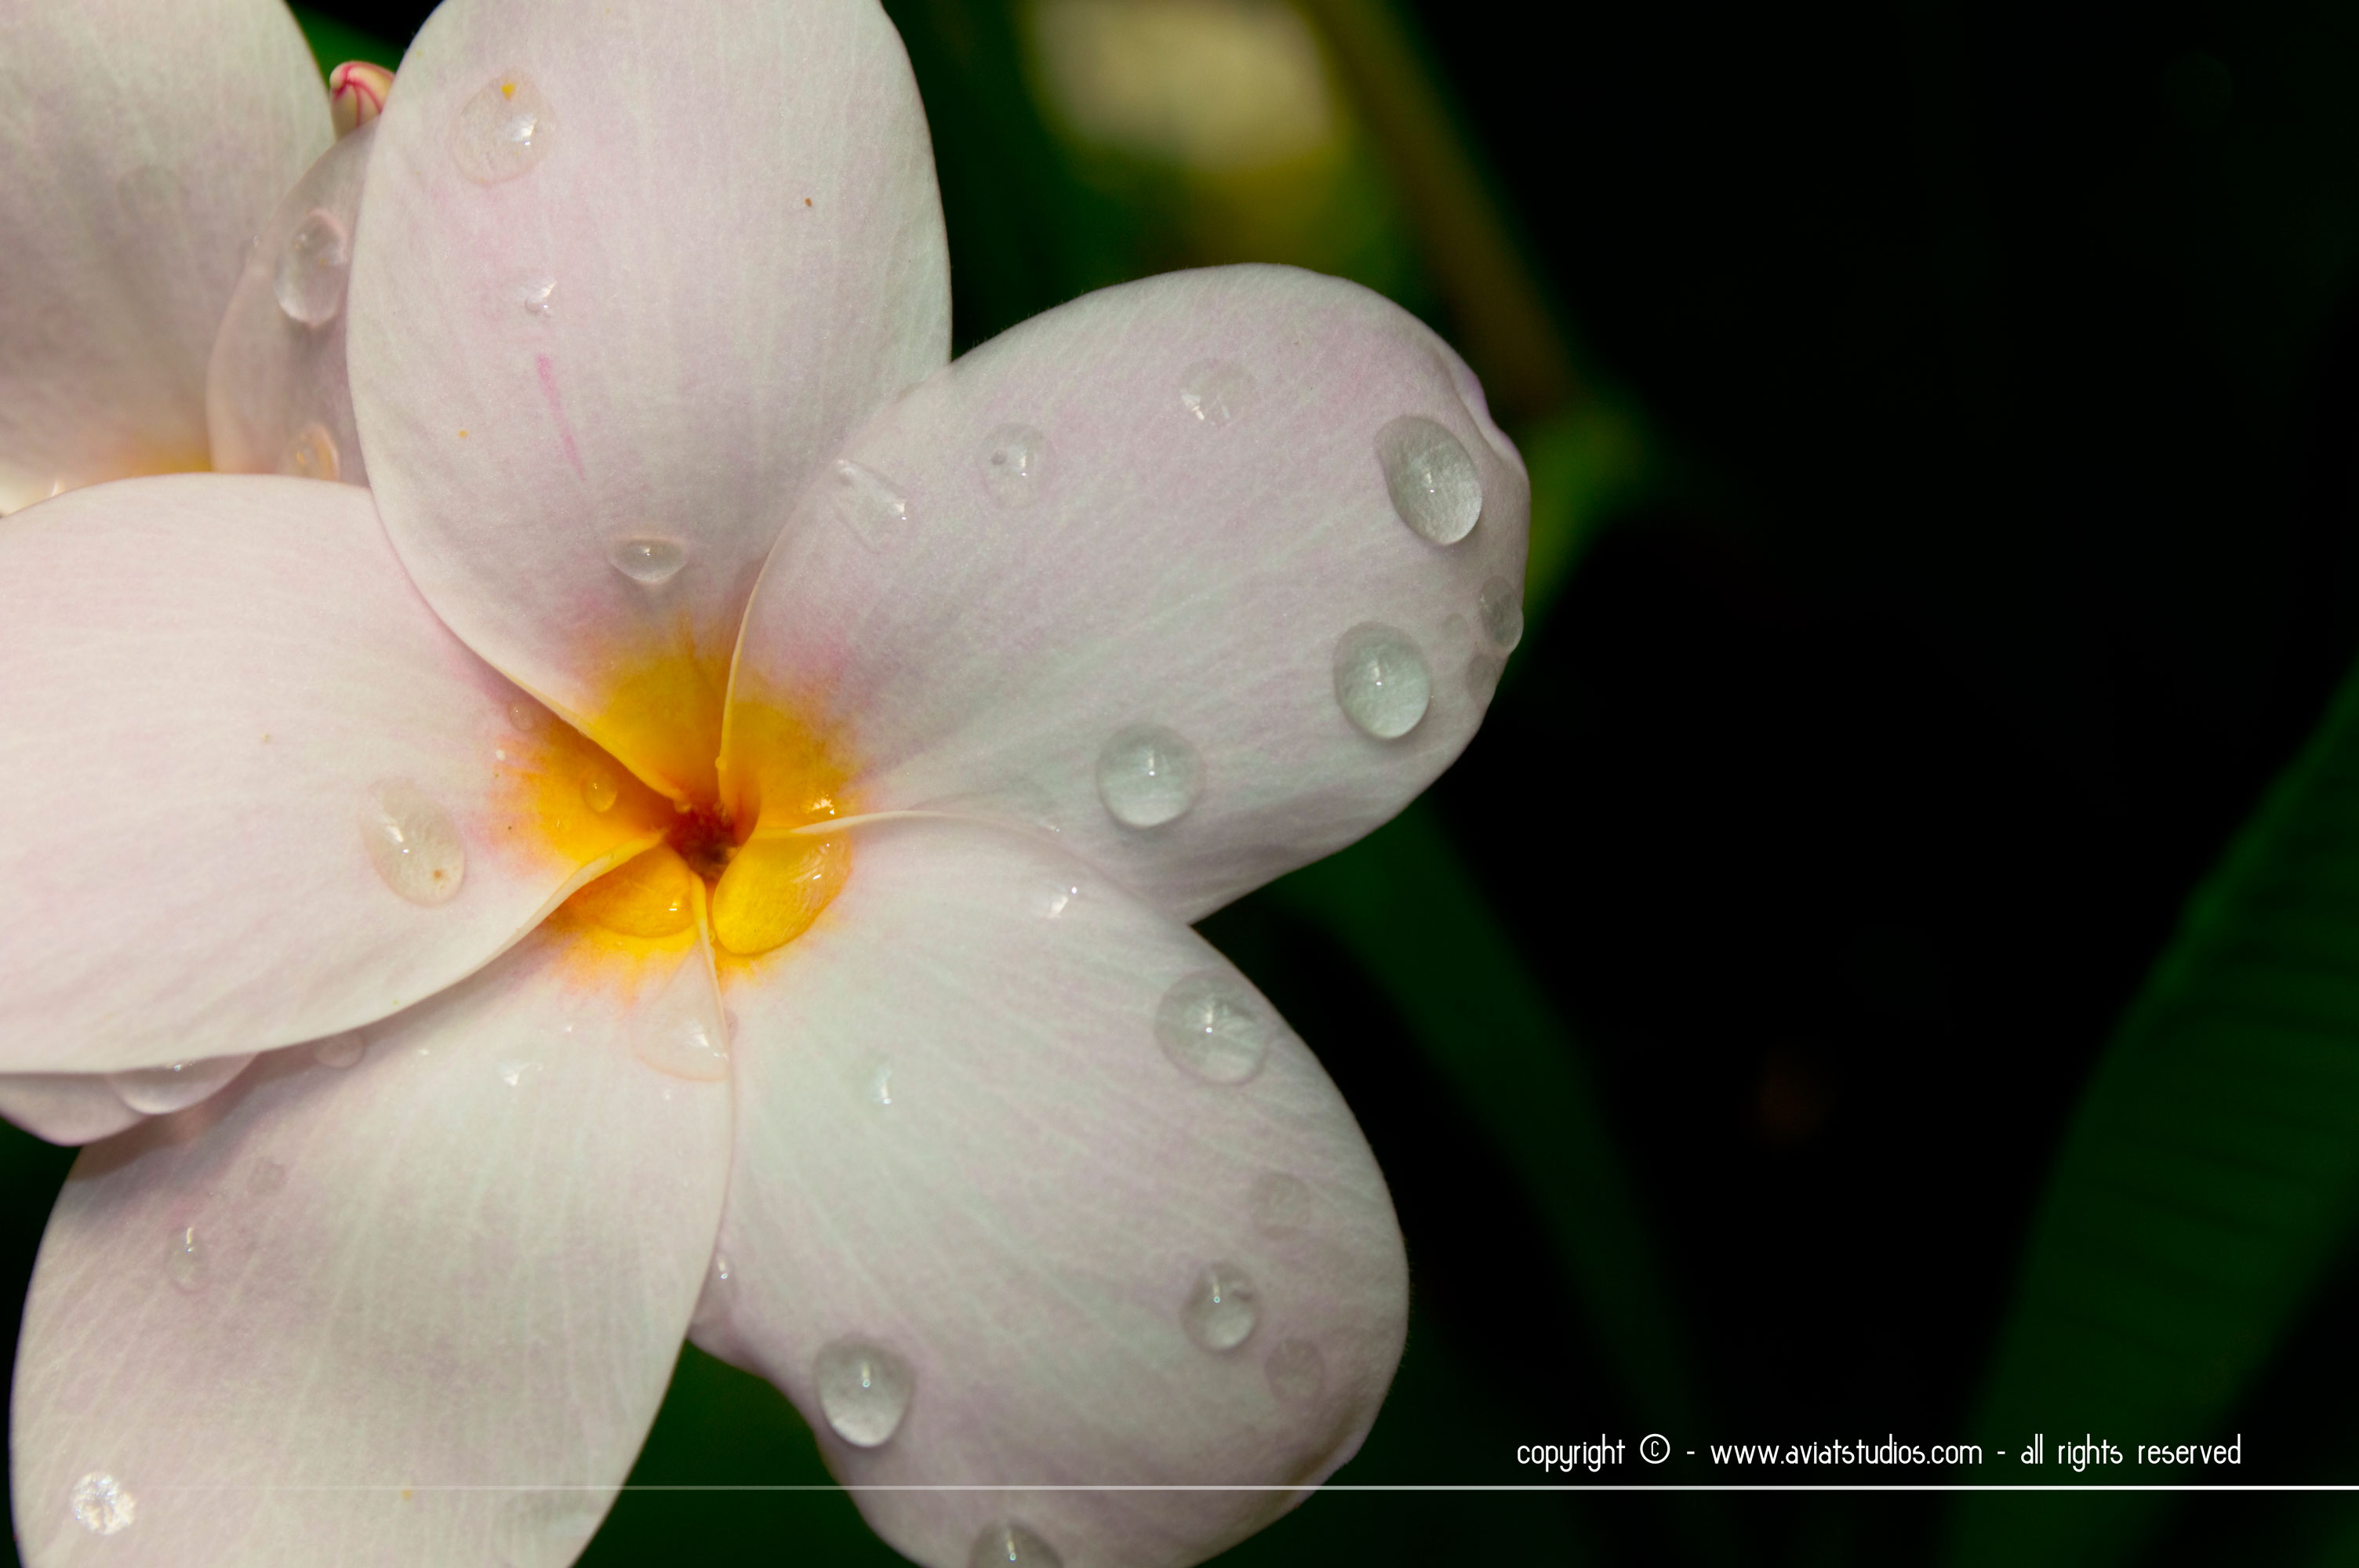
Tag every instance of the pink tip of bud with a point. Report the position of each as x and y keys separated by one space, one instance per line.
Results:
x=357 y=93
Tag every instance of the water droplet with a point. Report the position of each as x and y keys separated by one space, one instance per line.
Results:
x=877 y=1087
x=685 y=1047
x=1220 y=1312
x=103 y=1505
x=1006 y=1544
x=514 y=1074
x=502 y=131
x=1280 y=1204
x=870 y=505
x=340 y=1050
x=1148 y=776
x=1216 y=391
x=312 y=267
x=161 y=1091
x=1214 y=1027
x=720 y=1268
x=652 y=561
x=266 y=1177
x=1501 y=606
x=598 y=788
x=1059 y=898
x=534 y=294
x=863 y=1390
x=311 y=455
x=413 y=843
x=524 y=715
x=184 y=1260
x=1433 y=483
x=1015 y=458
x=1381 y=681
x=1295 y=1372
x=1483 y=673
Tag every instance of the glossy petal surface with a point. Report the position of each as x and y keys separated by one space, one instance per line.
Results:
x=964 y=1139
x=1164 y=505
x=419 y=1309
x=143 y=146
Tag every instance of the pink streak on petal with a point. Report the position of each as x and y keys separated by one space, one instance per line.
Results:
x=556 y=411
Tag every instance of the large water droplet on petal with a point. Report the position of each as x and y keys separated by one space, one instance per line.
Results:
x=312 y=454
x=312 y=268
x=161 y=1091
x=185 y=1263
x=1211 y=1026
x=1220 y=1311
x=1006 y=1544
x=1015 y=465
x=340 y=1050
x=1295 y=1372
x=1434 y=482
x=648 y=560
x=863 y=1390
x=413 y=843
x=1149 y=775
x=525 y=715
x=103 y=1505
x=1216 y=391
x=869 y=504
x=599 y=791
x=1280 y=1204
x=534 y=295
x=1381 y=681
x=1501 y=605
x=502 y=131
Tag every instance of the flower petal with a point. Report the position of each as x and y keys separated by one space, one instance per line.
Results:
x=64 y=1107
x=144 y=147
x=220 y=699
x=276 y=400
x=626 y=275
x=418 y=1310
x=987 y=1151
x=1145 y=565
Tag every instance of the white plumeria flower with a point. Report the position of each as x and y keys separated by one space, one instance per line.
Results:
x=736 y=792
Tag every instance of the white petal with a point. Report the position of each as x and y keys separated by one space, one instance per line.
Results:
x=64 y=1107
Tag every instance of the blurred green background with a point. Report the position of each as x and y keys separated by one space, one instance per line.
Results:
x=1889 y=965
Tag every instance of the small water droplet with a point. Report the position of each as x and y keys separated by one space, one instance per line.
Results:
x=1434 y=485
x=503 y=130
x=1381 y=681
x=1216 y=391
x=312 y=267
x=1220 y=1311
x=684 y=1048
x=1059 y=898
x=1014 y=459
x=1006 y=1544
x=413 y=843
x=524 y=716
x=103 y=1505
x=340 y=1050
x=1483 y=673
x=870 y=505
x=650 y=560
x=1214 y=1027
x=1149 y=775
x=534 y=294
x=266 y=1177
x=161 y=1091
x=1501 y=606
x=514 y=1074
x=720 y=1268
x=598 y=788
x=184 y=1260
x=878 y=1088
x=1280 y=1204
x=864 y=1392
x=1295 y=1372
x=311 y=455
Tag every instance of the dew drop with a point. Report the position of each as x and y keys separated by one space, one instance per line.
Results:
x=1433 y=483
x=1381 y=681
x=514 y=1074
x=413 y=843
x=876 y=1085
x=1014 y=460
x=1483 y=673
x=1220 y=1312
x=184 y=1260
x=864 y=1392
x=103 y=1505
x=161 y=1091
x=1006 y=1544
x=533 y=294
x=650 y=560
x=1501 y=605
x=1211 y=1026
x=312 y=267
x=870 y=505
x=598 y=788
x=312 y=454
x=502 y=131
x=1149 y=775
x=340 y=1050
x=684 y=1048
x=1295 y=1371
x=1280 y=1204
x=1216 y=391
x=524 y=716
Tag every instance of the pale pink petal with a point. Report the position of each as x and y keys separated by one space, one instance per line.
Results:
x=275 y=398
x=143 y=146
x=419 y=1310
x=1102 y=570
x=967 y=1156
x=64 y=1107
x=221 y=696
x=628 y=274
